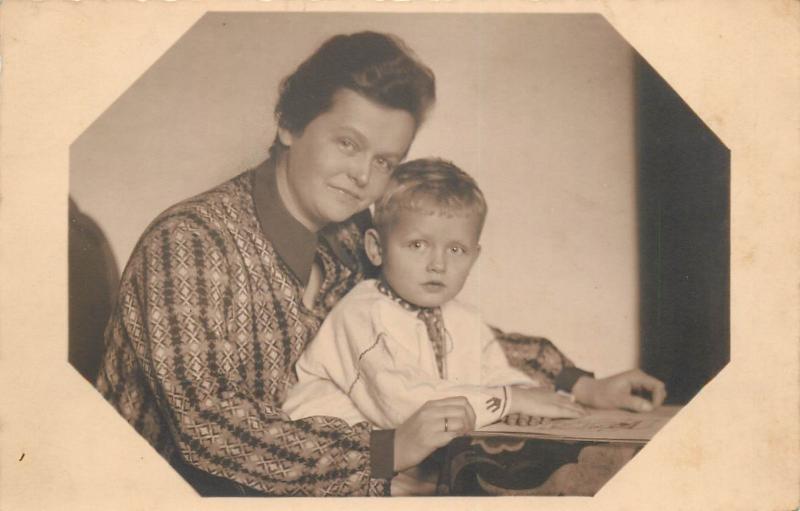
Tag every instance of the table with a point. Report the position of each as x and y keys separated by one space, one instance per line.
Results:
x=508 y=465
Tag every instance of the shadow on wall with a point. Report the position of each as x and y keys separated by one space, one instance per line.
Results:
x=93 y=281
x=684 y=240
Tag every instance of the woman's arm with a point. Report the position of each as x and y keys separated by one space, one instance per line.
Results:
x=624 y=390
x=495 y=368
x=170 y=330
x=540 y=359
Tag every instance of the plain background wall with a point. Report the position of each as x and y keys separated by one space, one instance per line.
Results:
x=538 y=107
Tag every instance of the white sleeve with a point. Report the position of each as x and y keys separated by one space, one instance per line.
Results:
x=324 y=370
x=392 y=386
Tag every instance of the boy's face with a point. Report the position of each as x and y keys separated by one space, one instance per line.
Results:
x=426 y=257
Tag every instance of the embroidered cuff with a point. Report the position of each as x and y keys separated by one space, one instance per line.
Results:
x=507 y=401
x=381 y=453
x=489 y=405
x=568 y=376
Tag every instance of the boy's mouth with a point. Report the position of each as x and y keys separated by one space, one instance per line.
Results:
x=433 y=286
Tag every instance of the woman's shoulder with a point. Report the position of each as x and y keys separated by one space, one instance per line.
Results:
x=235 y=192
x=206 y=215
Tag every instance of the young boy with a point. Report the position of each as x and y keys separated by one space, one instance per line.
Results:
x=396 y=342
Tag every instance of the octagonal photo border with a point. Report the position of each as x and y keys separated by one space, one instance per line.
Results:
x=715 y=391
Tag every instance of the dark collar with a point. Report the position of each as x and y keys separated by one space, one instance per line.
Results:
x=294 y=243
x=387 y=290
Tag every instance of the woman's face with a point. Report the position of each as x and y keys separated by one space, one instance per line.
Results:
x=341 y=162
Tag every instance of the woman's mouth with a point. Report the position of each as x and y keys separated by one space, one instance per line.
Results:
x=348 y=194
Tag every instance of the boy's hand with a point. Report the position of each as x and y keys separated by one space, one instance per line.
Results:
x=519 y=419
x=543 y=403
x=624 y=390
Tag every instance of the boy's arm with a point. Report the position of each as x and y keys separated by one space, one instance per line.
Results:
x=389 y=385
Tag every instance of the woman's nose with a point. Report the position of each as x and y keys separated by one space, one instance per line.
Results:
x=359 y=172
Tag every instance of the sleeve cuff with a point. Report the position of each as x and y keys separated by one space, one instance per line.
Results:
x=381 y=453
x=568 y=376
x=506 y=402
x=489 y=404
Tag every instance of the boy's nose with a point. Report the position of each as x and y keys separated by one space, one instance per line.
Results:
x=436 y=264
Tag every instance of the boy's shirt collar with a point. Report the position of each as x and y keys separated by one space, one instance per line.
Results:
x=434 y=324
x=387 y=290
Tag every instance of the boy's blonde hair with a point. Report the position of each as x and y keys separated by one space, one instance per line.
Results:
x=430 y=185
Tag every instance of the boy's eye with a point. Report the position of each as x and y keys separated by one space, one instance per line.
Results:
x=457 y=250
x=417 y=244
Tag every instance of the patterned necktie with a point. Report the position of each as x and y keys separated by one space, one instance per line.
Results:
x=434 y=323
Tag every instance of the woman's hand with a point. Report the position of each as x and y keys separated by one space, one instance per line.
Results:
x=424 y=432
x=533 y=401
x=620 y=391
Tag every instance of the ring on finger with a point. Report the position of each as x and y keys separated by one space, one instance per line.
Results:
x=445 y=424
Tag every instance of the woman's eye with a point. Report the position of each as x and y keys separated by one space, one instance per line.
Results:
x=383 y=164
x=347 y=145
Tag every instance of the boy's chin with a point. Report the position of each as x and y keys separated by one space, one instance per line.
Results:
x=428 y=303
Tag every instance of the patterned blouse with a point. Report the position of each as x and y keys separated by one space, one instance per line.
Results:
x=202 y=343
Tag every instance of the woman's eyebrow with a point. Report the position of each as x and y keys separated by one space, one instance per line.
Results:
x=355 y=133
x=363 y=141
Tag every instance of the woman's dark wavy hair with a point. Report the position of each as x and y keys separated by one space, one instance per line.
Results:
x=378 y=66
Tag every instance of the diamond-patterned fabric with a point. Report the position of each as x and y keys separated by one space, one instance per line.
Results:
x=203 y=340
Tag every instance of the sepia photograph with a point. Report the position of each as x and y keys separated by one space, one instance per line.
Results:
x=316 y=254
x=329 y=254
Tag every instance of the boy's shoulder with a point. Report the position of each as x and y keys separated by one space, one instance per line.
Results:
x=366 y=293
x=367 y=302
x=366 y=290
x=456 y=306
x=359 y=301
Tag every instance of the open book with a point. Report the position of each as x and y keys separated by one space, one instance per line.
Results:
x=597 y=425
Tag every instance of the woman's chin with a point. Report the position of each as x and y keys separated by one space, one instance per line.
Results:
x=341 y=214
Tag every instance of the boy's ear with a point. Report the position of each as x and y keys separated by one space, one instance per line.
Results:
x=285 y=136
x=372 y=245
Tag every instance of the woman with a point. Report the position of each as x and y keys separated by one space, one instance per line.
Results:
x=223 y=292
